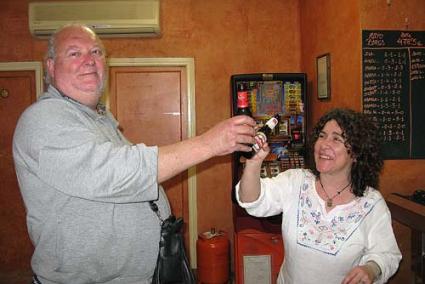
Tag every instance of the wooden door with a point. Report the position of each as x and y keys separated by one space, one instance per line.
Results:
x=17 y=91
x=150 y=104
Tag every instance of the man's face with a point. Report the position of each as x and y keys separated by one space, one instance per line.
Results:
x=79 y=68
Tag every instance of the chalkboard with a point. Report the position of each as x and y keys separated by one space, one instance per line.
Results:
x=393 y=91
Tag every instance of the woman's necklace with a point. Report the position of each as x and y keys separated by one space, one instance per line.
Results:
x=329 y=201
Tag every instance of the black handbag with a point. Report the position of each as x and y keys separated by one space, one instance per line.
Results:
x=172 y=265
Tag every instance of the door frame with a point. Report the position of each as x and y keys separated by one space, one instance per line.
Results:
x=35 y=66
x=189 y=65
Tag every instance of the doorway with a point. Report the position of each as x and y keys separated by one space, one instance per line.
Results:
x=20 y=85
x=153 y=99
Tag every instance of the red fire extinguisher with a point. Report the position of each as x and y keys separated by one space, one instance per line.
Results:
x=213 y=257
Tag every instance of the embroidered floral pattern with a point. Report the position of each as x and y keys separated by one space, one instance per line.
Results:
x=328 y=233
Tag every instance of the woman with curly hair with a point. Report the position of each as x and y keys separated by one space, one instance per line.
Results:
x=336 y=225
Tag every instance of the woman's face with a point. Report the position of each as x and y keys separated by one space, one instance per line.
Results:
x=330 y=154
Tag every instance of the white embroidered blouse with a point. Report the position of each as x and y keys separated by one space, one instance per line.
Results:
x=320 y=246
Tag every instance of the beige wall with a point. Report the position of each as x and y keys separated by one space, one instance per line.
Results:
x=332 y=26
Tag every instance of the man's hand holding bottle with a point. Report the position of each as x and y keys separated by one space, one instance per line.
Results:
x=233 y=134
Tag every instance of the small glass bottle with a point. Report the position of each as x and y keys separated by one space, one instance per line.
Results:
x=264 y=132
x=243 y=101
x=243 y=109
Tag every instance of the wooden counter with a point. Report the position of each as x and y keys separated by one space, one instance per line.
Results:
x=411 y=214
x=405 y=211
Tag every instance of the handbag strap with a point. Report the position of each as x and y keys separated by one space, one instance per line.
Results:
x=155 y=209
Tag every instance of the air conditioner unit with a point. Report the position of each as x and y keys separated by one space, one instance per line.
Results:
x=109 y=18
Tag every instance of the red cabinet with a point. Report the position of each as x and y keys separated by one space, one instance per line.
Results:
x=258 y=256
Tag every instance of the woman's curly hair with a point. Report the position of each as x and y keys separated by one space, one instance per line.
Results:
x=363 y=143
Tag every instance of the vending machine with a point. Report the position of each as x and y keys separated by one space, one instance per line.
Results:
x=258 y=241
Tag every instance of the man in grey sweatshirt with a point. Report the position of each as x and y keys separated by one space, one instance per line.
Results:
x=85 y=187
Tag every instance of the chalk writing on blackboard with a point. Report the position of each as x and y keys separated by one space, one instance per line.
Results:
x=418 y=65
x=393 y=77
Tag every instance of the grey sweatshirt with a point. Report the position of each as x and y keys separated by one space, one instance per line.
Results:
x=85 y=189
